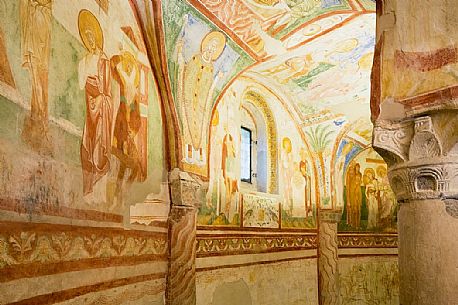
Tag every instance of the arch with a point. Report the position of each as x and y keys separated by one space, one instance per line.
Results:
x=152 y=30
x=252 y=97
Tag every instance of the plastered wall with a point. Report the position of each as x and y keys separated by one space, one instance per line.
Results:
x=81 y=141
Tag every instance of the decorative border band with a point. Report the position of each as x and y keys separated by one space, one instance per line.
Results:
x=368 y=241
x=236 y=244
x=32 y=249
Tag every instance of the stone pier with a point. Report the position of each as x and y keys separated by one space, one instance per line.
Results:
x=422 y=156
x=328 y=257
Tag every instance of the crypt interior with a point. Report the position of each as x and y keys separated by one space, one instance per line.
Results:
x=229 y=152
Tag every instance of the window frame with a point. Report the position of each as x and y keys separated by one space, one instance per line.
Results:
x=250 y=180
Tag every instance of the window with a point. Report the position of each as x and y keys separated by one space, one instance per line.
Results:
x=245 y=155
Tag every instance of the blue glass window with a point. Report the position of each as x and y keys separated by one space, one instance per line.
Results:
x=245 y=155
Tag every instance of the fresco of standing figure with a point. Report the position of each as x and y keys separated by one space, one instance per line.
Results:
x=287 y=173
x=229 y=175
x=196 y=85
x=94 y=76
x=354 y=195
x=371 y=198
x=36 y=21
x=128 y=121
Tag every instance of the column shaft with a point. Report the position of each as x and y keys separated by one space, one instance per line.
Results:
x=328 y=257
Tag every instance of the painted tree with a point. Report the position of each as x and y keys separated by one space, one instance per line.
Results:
x=320 y=138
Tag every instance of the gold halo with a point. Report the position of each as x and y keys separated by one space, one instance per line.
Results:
x=221 y=39
x=127 y=58
x=369 y=170
x=284 y=142
x=381 y=171
x=88 y=22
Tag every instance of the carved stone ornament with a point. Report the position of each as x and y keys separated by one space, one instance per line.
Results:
x=330 y=216
x=425 y=143
x=427 y=181
x=392 y=141
x=418 y=166
x=184 y=189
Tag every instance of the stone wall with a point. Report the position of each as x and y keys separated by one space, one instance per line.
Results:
x=276 y=279
x=369 y=280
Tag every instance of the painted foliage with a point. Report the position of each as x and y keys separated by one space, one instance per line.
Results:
x=201 y=61
x=81 y=120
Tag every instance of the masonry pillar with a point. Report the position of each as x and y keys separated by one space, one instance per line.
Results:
x=422 y=156
x=327 y=258
x=181 y=275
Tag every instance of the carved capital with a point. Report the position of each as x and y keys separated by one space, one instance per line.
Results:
x=433 y=180
x=184 y=190
x=392 y=140
x=330 y=216
x=418 y=165
x=425 y=143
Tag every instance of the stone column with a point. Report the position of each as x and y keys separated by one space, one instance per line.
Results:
x=327 y=257
x=181 y=275
x=422 y=156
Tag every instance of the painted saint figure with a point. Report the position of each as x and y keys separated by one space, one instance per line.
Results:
x=354 y=195
x=286 y=160
x=128 y=121
x=95 y=78
x=196 y=85
x=307 y=180
x=349 y=180
x=36 y=19
x=358 y=196
x=6 y=76
x=387 y=198
x=339 y=174
x=230 y=178
x=371 y=198
x=292 y=68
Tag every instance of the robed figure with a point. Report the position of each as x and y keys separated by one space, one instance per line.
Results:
x=95 y=78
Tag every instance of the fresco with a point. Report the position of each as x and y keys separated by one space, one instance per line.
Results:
x=337 y=58
x=368 y=4
x=260 y=211
x=332 y=121
x=409 y=73
x=201 y=60
x=283 y=168
x=265 y=28
x=79 y=100
x=369 y=204
x=365 y=281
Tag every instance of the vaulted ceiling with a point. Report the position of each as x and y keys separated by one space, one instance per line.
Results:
x=318 y=53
